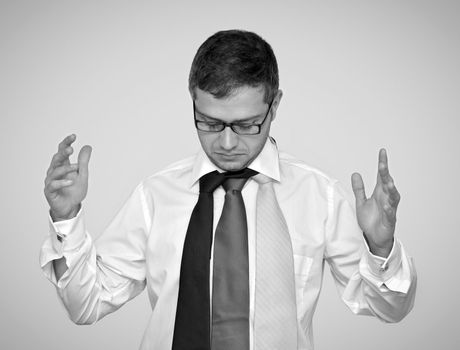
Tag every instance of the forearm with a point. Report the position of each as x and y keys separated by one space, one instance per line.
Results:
x=385 y=291
x=70 y=264
x=92 y=289
x=88 y=288
x=85 y=283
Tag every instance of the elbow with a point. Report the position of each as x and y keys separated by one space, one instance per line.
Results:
x=395 y=317
x=81 y=318
x=81 y=321
x=401 y=305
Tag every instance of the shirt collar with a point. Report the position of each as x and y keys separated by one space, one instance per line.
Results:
x=267 y=163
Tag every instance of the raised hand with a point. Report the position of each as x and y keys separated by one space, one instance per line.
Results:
x=377 y=214
x=66 y=184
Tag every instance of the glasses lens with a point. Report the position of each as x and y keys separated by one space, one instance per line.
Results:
x=211 y=127
x=246 y=129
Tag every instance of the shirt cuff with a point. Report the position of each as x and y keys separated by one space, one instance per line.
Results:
x=68 y=235
x=379 y=265
x=64 y=239
x=387 y=273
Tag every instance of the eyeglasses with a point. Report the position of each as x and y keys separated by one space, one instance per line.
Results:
x=239 y=128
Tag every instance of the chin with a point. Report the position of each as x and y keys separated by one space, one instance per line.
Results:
x=230 y=165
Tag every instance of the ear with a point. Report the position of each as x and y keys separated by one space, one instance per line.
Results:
x=276 y=103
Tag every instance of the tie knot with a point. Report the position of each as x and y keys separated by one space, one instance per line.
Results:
x=234 y=184
x=210 y=181
x=235 y=180
x=231 y=180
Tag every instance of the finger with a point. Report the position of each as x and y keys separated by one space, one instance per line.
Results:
x=56 y=185
x=59 y=172
x=67 y=141
x=83 y=161
x=63 y=153
x=393 y=194
x=60 y=158
x=386 y=179
x=358 y=189
x=383 y=171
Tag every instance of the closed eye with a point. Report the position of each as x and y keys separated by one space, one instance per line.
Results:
x=245 y=125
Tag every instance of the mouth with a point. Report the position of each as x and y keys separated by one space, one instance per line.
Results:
x=229 y=155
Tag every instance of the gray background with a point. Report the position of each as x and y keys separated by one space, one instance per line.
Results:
x=356 y=75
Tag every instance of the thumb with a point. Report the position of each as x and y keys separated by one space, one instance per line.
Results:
x=358 y=189
x=83 y=160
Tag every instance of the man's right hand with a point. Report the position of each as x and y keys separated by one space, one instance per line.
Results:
x=66 y=184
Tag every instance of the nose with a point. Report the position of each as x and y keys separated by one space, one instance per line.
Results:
x=228 y=139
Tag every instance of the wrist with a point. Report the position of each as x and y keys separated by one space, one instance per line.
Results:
x=383 y=249
x=65 y=216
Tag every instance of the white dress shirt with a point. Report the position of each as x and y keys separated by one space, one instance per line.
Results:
x=143 y=247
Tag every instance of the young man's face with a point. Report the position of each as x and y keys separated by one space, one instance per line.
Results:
x=226 y=149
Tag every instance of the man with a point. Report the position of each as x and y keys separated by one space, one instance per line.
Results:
x=229 y=267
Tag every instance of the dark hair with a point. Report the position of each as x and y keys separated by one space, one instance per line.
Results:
x=232 y=59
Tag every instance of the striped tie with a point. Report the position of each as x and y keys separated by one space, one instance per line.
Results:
x=275 y=325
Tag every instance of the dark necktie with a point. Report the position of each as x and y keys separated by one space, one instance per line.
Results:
x=192 y=324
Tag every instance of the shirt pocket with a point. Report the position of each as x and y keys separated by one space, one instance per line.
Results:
x=302 y=268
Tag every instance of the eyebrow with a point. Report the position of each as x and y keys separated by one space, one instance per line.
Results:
x=235 y=121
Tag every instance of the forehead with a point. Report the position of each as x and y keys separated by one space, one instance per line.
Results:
x=245 y=102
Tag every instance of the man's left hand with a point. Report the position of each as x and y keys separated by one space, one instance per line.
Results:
x=377 y=214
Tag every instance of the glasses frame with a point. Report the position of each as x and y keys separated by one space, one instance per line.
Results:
x=231 y=125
